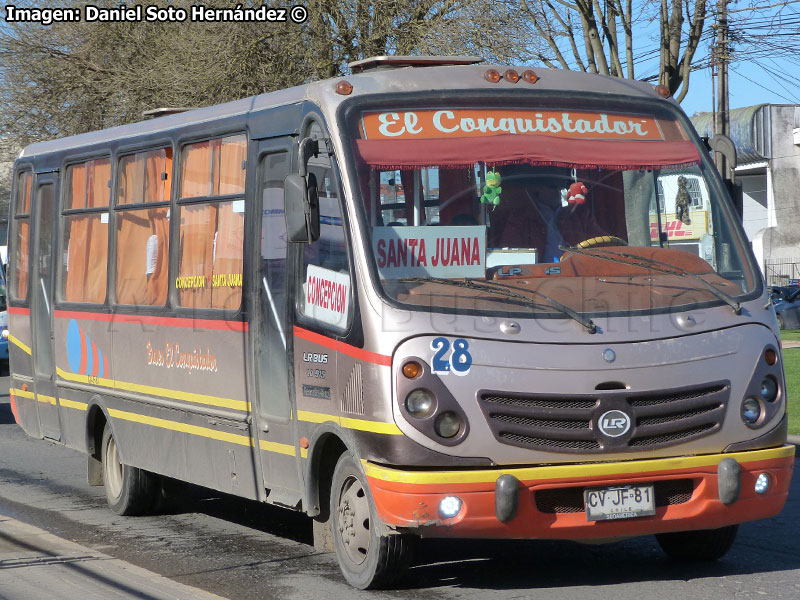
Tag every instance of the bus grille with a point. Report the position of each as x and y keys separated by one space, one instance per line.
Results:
x=566 y=423
x=570 y=499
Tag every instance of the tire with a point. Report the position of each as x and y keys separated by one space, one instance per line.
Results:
x=368 y=558
x=780 y=322
x=698 y=546
x=129 y=490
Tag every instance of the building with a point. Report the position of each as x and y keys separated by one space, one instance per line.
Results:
x=767 y=140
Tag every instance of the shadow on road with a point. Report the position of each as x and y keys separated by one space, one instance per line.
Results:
x=6 y=416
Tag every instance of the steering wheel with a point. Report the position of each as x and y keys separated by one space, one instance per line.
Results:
x=600 y=240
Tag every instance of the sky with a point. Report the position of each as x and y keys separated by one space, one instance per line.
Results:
x=765 y=67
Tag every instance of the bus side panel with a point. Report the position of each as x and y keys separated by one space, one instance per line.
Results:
x=19 y=348
x=174 y=390
x=23 y=405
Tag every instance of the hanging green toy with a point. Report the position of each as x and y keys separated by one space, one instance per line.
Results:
x=492 y=189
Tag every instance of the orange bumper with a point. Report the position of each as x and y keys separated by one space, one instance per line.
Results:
x=410 y=499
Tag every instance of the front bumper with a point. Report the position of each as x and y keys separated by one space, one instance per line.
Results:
x=410 y=499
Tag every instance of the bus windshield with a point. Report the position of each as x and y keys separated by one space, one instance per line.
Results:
x=533 y=210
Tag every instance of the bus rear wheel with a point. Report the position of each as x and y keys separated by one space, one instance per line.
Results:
x=129 y=490
x=368 y=557
x=698 y=546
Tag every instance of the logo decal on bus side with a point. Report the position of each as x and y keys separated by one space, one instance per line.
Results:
x=84 y=357
x=459 y=362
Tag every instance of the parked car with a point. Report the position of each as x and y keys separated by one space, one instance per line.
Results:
x=787 y=307
x=779 y=293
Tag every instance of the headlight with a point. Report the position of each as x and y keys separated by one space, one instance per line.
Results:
x=4 y=334
x=448 y=424
x=769 y=389
x=420 y=403
x=751 y=411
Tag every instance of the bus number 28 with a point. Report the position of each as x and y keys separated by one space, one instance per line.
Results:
x=459 y=362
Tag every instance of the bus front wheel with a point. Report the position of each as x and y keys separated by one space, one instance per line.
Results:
x=129 y=490
x=369 y=557
x=698 y=546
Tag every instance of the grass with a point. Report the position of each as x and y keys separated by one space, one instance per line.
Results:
x=791 y=363
x=790 y=335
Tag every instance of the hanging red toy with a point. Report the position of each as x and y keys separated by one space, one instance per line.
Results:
x=577 y=193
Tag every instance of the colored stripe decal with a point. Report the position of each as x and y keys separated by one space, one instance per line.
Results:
x=276 y=447
x=233 y=438
x=582 y=471
x=72 y=404
x=16 y=310
x=349 y=423
x=337 y=346
x=150 y=320
x=19 y=344
x=22 y=393
x=240 y=405
x=45 y=399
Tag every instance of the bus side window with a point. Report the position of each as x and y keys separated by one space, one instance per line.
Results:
x=84 y=264
x=326 y=291
x=211 y=253
x=22 y=213
x=144 y=178
x=273 y=372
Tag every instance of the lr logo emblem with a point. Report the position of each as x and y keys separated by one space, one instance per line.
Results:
x=614 y=423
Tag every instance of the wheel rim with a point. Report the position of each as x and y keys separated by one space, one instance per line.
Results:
x=354 y=520
x=113 y=469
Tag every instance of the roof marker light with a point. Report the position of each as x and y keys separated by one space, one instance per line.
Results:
x=345 y=88
x=492 y=75
x=511 y=76
x=663 y=91
x=529 y=76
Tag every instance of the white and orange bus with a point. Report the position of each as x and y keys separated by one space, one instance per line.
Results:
x=434 y=298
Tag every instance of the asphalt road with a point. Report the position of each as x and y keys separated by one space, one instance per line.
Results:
x=242 y=549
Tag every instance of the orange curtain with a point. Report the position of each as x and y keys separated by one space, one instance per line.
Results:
x=196 y=171
x=157 y=284
x=21 y=275
x=87 y=248
x=134 y=232
x=228 y=257
x=230 y=176
x=129 y=187
x=98 y=190
x=23 y=201
x=197 y=229
x=77 y=186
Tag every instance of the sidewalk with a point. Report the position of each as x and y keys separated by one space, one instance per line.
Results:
x=35 y=564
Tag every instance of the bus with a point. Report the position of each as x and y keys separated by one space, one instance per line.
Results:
x=433 y=298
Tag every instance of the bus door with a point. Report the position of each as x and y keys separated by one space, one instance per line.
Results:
x=42 y=282
x=271 y=332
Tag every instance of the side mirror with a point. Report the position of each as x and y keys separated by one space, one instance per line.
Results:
x=301 y=207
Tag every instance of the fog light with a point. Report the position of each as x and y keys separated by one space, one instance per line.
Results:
x=769 y=389
x=751 y=411
x=762 y=484
x=449 y=507
x=420 y=403
x=448 y=424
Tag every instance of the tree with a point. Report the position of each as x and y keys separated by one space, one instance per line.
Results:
x=594 y=36
x=69 y=78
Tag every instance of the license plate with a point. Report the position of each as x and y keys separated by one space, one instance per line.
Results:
x=625 y=502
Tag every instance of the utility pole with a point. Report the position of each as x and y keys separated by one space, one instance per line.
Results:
x=721 y=59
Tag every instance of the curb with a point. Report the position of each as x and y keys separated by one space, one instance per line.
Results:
x=38 y=564
x=793 y=439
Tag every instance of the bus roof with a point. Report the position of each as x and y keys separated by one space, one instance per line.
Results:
x=373 y=81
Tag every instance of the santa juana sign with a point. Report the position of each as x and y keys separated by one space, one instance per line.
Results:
x=461 y=123
x=446 y=252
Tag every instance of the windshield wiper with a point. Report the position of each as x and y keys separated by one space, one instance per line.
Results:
x=660 y=267
x=506 y=292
